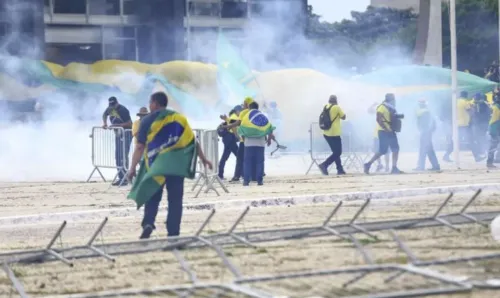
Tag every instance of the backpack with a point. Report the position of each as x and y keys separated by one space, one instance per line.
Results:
x=325 y=122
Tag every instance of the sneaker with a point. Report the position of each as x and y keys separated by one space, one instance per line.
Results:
x=323 y=169
x=396 y=171
x=434 y=169
x=491 y=166
x=246 y=184
x=235 y=179
x=146 y=232
x=341 y=172
x=379 y=169
x=418 y=169
x=260 y=183
x=366 y=168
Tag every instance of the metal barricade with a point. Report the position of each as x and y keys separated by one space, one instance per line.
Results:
x=110 y=150
x=353 y=153
x=209 y=143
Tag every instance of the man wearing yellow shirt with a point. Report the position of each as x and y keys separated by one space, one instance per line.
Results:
x=373 y=111
x=135 y=126
x=494 y=131
x=464 y=110
x=386 y=116
x=332 y=137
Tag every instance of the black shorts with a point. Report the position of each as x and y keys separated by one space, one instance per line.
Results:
x=387 y=139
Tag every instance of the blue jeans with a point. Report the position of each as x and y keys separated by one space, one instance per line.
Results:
x=238 y=170
x=230 y=146
x=253 y=156
x=175 y=191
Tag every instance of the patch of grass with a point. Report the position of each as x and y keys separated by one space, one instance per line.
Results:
x=18 y=272
x=261 y=250
x=394 y=260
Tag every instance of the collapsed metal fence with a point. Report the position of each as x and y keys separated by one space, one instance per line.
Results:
x=247 y=286
x=354 y=152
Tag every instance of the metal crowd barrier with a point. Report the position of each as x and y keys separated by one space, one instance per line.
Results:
x=209 y=143
x=110 y=150
x=354 y=154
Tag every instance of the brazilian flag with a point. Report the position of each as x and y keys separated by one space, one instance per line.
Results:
x=254 y=124
x=170 y=150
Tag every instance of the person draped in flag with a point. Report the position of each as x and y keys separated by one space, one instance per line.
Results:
x=257 y=130
x=168 y=149
x=238 y=170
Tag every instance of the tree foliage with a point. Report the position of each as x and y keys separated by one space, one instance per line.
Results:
x=367 y=36
x=477 y=34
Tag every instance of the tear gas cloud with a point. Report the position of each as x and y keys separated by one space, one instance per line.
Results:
x=59 y=148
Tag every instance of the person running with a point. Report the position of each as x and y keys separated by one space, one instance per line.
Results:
x=387 y=118
x=160 y=130
x=333 y=137
x=119 y=116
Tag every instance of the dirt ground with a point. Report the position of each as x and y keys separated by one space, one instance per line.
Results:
x=162 y=268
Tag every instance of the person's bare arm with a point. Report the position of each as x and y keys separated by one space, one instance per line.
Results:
x=136 y=156
x=105 y=118
x=233 y=125
x=201 y=155
x=381 y=121
x=123 y=125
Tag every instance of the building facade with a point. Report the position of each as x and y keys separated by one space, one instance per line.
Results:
x=150 y=31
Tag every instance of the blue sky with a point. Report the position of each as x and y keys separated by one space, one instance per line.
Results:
x=337 y=10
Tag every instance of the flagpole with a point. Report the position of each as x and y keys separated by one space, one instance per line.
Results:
x=454 y=83
x=188 y=30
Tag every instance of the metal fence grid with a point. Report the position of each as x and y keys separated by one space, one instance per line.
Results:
x=346 y=278
x=354 y=152
x=110 y=147
x=207 y=179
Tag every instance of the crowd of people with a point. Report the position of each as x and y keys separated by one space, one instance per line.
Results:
x=478 y=121
x=245 y=133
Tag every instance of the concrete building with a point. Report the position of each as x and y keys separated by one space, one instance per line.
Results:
x=151 y=31
x=429 y=46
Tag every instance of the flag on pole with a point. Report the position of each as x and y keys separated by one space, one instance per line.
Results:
x=229 y=60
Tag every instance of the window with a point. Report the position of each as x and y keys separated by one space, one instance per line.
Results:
x=73 y=7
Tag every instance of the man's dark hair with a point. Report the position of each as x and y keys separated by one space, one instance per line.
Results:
x=253 y=106
x=390 y=97
x=112 y=99
x=160 y=98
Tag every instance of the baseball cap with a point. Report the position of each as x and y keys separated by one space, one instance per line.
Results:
x=248 y=100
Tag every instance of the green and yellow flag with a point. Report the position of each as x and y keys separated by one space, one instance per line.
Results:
x=170 y=150
x=254 y=124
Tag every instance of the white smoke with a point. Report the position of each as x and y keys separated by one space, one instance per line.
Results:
x=59 y=148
